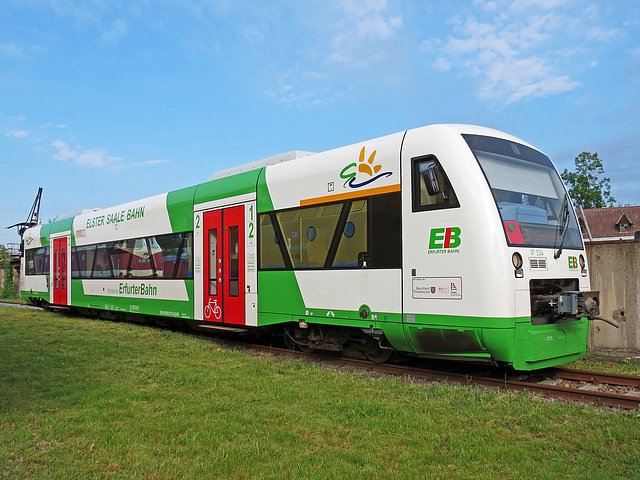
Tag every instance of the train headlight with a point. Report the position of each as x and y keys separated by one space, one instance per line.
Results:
x=516 y=259
x=583 y=267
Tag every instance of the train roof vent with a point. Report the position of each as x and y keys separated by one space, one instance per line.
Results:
x=265 y=162
x=75 y=214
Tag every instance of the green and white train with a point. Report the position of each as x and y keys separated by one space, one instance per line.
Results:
x=443 y=241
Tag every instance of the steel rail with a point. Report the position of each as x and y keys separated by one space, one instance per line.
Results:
x=596 y=377
x=599 y=398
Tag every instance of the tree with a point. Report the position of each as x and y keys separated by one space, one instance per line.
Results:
x=7 y=288
x=586 y=187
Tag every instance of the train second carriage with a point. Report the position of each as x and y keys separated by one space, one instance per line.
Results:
x=449 y=241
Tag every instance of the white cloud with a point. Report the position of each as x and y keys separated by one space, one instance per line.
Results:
x=116 y=31
x=514 y=56
x=600 y=34
x=64 y=152
x=17 y=134
x=354 y=39
x=489 y=6
x=364 y=27
x=287 y=95
x=528 y=5
x=96 y=157
x=150 y=162
x=11 y=50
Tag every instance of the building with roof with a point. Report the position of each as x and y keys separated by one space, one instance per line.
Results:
x=615 y=223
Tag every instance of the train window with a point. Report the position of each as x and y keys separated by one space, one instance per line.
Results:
x=164 y=256
x=531 y=198
x=363 y=233
x=82 y=261
x=101 y=264
x=184 y=269
x=37 y=261
x=120 y=255
x=166 y=261
x=233 y=262
x=142 y=261
x=294 y=224
x=431 y=187
x=353 y=240
x=385 y=227
x=271 y=257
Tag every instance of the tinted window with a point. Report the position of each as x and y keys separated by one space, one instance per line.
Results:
x=533 y=204
x=162 y=256
x=362 y=233
x=37 y=261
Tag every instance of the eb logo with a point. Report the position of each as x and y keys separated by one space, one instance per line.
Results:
x=573 y=263
x=445 y=238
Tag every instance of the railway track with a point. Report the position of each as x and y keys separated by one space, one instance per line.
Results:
x=598 y=388
x=19 y=305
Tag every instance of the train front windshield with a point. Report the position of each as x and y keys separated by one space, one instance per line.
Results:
x=531 y=198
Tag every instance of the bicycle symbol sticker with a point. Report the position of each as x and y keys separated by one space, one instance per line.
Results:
x=213 y=308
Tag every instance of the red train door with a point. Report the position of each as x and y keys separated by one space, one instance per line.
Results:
x=60 y=271
x=224 y=266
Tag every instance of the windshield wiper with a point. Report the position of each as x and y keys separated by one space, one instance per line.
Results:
x=564 y=226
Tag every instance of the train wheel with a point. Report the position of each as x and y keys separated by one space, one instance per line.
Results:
x=380 y=355
x=306 y=349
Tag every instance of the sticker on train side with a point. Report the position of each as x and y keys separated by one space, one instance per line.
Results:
x=164 y=290
x=445 y=240
x=573 y=263
x=437 y=288
x=368 y=167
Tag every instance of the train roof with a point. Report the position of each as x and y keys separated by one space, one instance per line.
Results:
x=75 y=214
x=265 y=162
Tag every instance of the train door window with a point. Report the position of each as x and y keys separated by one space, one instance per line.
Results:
x=431 y=187
x=63 y=264
x=234 y=273
x=213 y=262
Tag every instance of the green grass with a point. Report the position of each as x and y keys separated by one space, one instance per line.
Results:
x=12 y=300
x=91 y=399
x=591 y=362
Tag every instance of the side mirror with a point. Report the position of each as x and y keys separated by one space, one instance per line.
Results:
x=431 y=181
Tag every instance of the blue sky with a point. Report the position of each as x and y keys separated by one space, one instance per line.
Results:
x=106 y=101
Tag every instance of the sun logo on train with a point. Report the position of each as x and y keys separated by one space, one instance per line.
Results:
x=368 y=169
x=29 y=239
